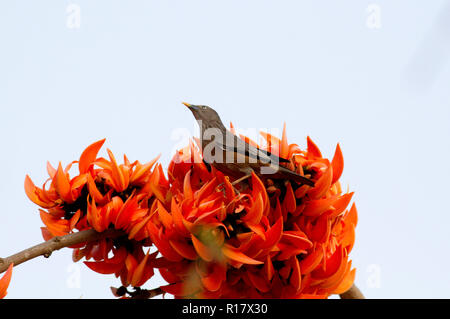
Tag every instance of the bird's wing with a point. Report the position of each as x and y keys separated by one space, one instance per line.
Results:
x=244 y=148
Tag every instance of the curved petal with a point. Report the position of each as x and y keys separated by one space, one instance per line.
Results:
x=5 y=280
x=32 y=193
x=313 y=150
x=103 y=267
x=62 y=185
x=89 y=155
x=338 y=164
x=234 y=254
x=322 y=185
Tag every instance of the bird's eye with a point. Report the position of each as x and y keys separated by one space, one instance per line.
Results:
x=204 y=107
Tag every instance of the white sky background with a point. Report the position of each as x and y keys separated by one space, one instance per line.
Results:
x=382 y=93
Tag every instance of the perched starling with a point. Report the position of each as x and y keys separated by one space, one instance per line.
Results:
x=233 y=156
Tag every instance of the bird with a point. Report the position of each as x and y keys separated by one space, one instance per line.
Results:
x=235 y=157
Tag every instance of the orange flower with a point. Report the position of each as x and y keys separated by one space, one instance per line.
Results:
x=4 y=281
x=272 y=239
x=105 y=194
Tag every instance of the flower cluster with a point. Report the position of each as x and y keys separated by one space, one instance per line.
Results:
x=267 y=239
x=260 y=238
x=103 y=195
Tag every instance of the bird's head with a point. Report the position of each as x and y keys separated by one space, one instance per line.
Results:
x=204 y=113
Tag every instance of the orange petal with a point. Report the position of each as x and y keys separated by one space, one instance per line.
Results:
x=318 y=207
x=187 y=190
x=94 y=217
x=346 y=283
x=131 y=265
x=139 y=277
x=58 y=227
x=234 y=254
x=322 y=185
x=32 y=192
x=51 y=170
x=139 y=172
x=273 y=235
x=258 y=281
x=5 y=280
x=335 y=279
x=93 y=190
x=162 y=244
x=321 y=230
x=348 y=238
x=284 y=147
x=311 y=261
x=103 y=267
x=297 y=240
x=117 y=174
x=229 y=189
x=164 y=216
x=332 y=265
x=62 y=185
x=296 y=277
x=119 y=256
x=352 y=216
x=289 y=199
x=340 y=204
x=287 y=250
x=255 y=212
x=184 y=249
x=338 y=164
x=206 y=189
x=125 y=215
x=202 y=250
x=313 y=150
x=214 y=280
x=74 y=220
x=259 y=188
x=268 y=268
x=89 y=155
x=136 y=228
x=273 y=143
x=232 y=129
x=46 y=234
x=179 y=220
x=257 y=229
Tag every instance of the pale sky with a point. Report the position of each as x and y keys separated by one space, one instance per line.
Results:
x=372 y=76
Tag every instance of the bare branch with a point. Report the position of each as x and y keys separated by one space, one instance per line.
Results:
x=46 y=248
x=352 y=293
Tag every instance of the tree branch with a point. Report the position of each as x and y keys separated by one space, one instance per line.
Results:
x=352 y=293
x=46 y=248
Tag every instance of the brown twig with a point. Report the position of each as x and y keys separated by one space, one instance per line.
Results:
x=352 y=293
x=46 y=248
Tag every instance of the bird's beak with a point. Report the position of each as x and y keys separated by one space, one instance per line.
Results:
x=190 y=106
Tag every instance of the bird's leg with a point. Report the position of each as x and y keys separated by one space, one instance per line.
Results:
x=248 y=173
x=243 y=178
x=221 y=187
